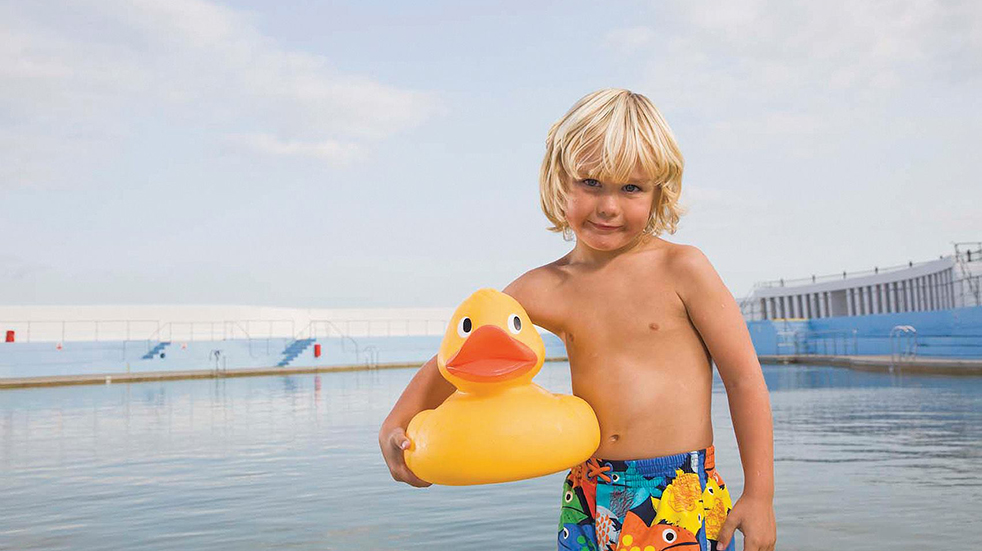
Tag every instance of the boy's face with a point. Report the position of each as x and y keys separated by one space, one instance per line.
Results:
x=607 y=216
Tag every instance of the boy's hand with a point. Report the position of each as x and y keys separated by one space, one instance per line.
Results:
x=393 y=442
x=755 y=518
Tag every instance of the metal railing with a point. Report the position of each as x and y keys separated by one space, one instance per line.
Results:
x=833 y=342
x=802 y=342
x=903 y=344
x=87 y=330
x=371 y=356
x=963 y=257
x=192 y=331
x=316 y=328
x=838 y=275
x=392 y=327
x=220 y=360
x=788 y=343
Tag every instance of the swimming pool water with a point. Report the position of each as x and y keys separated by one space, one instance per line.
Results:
x=863 y=461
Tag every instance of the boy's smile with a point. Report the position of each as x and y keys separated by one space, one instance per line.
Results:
x=603 y=227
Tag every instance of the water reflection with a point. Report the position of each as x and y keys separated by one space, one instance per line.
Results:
x=863 y=461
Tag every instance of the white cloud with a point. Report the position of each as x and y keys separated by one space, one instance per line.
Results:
x=761 y=51
x=328 y=150
x=90 y=74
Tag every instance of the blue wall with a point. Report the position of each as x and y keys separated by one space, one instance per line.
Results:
x=78 y=358
x=955 y=333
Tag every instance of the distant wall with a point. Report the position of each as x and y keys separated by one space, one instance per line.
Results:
x=955 y=333
x=20 y=359
x=211 y=322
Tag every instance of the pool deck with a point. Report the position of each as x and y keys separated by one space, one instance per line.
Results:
x=919 y=365
x=937 y=366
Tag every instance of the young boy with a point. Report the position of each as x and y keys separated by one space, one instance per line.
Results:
x=643 y=320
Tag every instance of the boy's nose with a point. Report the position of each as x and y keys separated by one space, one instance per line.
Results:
x=607 y=208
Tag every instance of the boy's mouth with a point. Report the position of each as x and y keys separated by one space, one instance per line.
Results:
x=603 y=227
x=490 y=355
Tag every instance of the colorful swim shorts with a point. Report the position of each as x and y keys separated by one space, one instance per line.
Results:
x=674 y=502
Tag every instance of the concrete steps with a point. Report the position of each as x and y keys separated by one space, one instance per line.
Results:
x=293 y=350
x=156 y=350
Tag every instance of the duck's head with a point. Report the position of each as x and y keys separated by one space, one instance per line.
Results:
x=490 y=344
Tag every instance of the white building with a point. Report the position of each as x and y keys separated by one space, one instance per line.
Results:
x=949 y=282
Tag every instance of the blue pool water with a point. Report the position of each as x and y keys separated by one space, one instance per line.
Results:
x=863 y=461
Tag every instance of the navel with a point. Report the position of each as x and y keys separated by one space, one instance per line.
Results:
x=654 y=326
x=615 y=437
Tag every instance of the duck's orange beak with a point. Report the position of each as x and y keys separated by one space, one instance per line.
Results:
x=491 y=355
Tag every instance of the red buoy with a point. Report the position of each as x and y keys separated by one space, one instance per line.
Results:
x=10 y=336
x=317 y=350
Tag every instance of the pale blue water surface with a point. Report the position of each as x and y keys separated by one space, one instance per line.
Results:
x=863 y=461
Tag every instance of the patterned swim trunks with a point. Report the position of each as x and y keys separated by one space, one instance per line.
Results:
x=674 y=502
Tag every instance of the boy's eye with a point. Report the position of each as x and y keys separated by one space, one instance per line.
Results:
x=591 y=182
x=636 y=188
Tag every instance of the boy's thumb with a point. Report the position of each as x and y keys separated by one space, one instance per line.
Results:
x=404 y=444
x=726 y=532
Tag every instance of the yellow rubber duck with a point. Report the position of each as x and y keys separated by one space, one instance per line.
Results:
x=499 y=426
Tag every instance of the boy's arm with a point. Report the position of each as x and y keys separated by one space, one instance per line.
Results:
x=716 y=316
x=427 y=390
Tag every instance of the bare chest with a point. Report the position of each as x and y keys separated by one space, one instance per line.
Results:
x=620 y=310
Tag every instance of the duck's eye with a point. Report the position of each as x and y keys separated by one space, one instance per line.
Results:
x=464 y=327
x=669 y=535
x=616 y=478
x=514 y=324
x=710 y=490
x=568 y=497
x=565 y=533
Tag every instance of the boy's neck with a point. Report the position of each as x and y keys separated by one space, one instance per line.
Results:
x=592 y=258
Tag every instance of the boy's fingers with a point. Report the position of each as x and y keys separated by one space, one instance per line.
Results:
x=414 y=480
x=399 y=443
x=726 y=531
x=400 y=439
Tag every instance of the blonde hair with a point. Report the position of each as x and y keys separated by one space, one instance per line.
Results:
x=627 y=131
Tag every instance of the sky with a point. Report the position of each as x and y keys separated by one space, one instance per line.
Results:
x=386 y=154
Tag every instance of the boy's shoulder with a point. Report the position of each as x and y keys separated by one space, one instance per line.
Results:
x=678 y=258
x=685 y=258
x=687 y=269
x=690 y=267
x=535 y=291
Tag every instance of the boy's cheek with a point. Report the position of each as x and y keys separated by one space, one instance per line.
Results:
x=574 y=211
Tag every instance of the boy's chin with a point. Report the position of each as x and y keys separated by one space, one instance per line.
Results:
x=607 y=243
